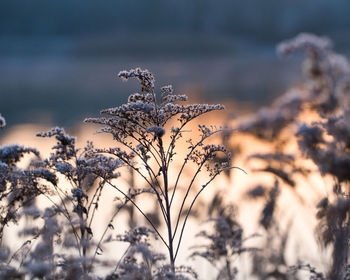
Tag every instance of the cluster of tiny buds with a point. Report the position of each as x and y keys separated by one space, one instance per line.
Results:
x=167 y=89
x=135 y=235
x=145 y=78
x=11 y=154
x=206 y=131
x=78 y=193
x=171 y=98
x=158 y=131
x=59 y=134
x=142 y=97
x=211 y=148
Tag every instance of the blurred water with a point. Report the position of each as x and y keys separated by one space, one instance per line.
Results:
x=58 y=60
x=61 y=81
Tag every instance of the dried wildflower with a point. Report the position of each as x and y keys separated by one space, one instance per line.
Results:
x=181 y=273
x=12 y=154
x=331 y=157
x=148 y=148
x=328 y=72
x=144 y=76
x=167 y=89
x=64 y=148
x=136 y=235
x=88 y=171
x=140 y=262
x=44 y=174
x=225 y=243
x=325 y=141
x=19 y=187
x=158 y=131
x=314 y=275
x=140 y=126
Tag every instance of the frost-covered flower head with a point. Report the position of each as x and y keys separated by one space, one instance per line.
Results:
x=141 y=126
x=143 y=115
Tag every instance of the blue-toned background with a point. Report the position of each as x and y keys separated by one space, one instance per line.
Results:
x=59 y=59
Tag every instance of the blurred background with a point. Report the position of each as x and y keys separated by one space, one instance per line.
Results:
x=59 y=59
x=59 y=62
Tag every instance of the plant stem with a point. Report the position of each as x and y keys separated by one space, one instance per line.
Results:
x=167 y=205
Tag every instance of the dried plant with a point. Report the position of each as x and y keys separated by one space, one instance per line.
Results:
x=270 y=262
x=225 y=243
x=60 y=241
x=141 y=127
x=324 y=141
x=19 y=187
x=314 y=274
x=140 y=261
x=81 y=168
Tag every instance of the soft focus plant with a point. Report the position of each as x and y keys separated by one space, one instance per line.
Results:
x=323 y=140
x=326 y=141
x=224 y=243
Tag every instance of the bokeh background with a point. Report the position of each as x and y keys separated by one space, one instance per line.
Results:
x=59 y=62
x=59 y=59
